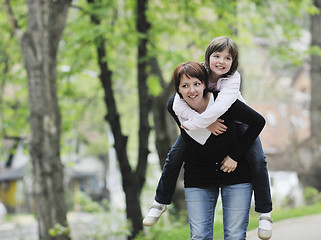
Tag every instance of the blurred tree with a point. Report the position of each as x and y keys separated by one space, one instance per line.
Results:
x=133 y=180
x=316 y=71
x=39 y=44
x=310 y=173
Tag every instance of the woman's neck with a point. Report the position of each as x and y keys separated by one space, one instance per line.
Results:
x=202 y=105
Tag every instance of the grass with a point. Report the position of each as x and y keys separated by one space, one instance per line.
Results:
x=171 y=228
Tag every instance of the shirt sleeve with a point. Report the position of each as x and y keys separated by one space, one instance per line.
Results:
x=182 y=109
x=229 y=92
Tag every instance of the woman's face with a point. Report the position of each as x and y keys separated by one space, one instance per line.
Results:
x=192 y=90
x=221 y=62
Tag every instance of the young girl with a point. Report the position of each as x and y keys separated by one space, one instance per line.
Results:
x=221 y=61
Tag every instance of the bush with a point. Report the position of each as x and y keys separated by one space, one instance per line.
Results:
x=86 y=204
x=311 y=195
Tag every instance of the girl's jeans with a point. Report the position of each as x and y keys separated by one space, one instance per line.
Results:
x=256 y=160
x=236 y=202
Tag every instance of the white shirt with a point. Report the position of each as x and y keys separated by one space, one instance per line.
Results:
x=229 y=91
x=202 y=134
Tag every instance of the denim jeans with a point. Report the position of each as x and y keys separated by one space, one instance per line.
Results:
x=173 y=164
x=255 y=157
x=236 y=202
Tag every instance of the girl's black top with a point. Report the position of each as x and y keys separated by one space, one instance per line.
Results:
x=202 y=162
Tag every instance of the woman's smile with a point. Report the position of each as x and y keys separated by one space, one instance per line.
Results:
x=192 y=91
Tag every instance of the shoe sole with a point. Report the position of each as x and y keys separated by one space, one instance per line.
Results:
x=264 y=234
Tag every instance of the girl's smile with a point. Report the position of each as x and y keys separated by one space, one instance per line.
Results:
x=221 y=62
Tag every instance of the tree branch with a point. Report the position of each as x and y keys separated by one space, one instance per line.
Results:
x=14 y=24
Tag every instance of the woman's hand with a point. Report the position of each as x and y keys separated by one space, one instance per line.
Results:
x=217 y=127
x=228 y=164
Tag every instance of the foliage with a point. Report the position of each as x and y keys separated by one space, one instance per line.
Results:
x=78 y=54
x=311 y=195
x=14 y=109
x=86 y=204
x=179 y=31
x=59 y=230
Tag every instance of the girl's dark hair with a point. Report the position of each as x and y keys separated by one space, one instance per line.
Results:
x=190 y=69
x=219 y=44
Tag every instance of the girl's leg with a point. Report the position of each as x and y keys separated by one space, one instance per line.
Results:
x=261 y=185
x=259 y=174
x=167 y=183
x=236 y=201
x=201 y=207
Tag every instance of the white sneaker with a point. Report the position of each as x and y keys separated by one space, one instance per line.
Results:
x=155 y=211
x=265 y=227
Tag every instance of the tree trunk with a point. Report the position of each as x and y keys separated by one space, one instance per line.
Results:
x=310 y=150
x=132 y=181
x=142 y=27
x=129 y=180
x=46 y=21
x=315 y=106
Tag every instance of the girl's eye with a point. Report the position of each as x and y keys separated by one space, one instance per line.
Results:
x=197 y=84
x=184 y=86
x=228 y=58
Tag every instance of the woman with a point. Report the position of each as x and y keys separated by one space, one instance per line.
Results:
x=221 y=62
x=208 y=159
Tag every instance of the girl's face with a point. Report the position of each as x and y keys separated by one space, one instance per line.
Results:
x=192 y=90
x=221 y=62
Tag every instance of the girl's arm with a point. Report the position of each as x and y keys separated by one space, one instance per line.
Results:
x=182 y=109
x=229 y=92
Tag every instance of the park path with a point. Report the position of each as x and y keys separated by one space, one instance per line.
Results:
x=301 y=228
x=25 y=228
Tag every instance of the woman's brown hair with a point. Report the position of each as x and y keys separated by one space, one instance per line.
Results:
x=190 y=69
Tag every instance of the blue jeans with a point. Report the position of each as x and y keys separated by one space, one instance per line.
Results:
x=255 y=157
x=236 y=202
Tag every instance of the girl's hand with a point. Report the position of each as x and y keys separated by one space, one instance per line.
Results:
x=182 y=126
x=228 y=164
x=217 y=127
